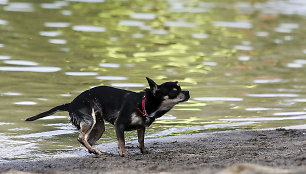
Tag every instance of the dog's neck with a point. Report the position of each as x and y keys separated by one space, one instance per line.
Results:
x=151 y=104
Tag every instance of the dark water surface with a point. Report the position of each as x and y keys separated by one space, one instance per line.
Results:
x=242 y=60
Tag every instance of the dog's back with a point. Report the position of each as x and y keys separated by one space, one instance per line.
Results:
x=105 y=101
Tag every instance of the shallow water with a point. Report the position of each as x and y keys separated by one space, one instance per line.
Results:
x=243 y=62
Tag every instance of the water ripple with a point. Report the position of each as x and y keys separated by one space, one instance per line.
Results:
x=57 y=24
x=109 y=65
x=58 y=41
x=3 y=22
x=218 y=99
x=234 y=24
x=25 y=103
x=54 y=5
x=210 y=63
x=12 y=93
x=289 y=113
x=111 y=78
x=131 y=85
x=30 y=69
x=179 y=23
x=3 y=57
x=88 y=1
x=48 y=134
x=88 y=28
x=264 y=118
x=132 y=23
x=244 y=58
x=243 y=47
x=20 y=62
x=267 y=80
x=50 y=33
x=273 y=95
x=81 y=73
x=145 y=16
x=3 y=2
x=19 y=7
x=263 y=109
x=200 y=35
x=286 y=27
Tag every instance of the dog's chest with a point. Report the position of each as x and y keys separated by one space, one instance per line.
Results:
x=136 y=120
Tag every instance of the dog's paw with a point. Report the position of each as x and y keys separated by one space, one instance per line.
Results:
x=98 y=152
x=95 y=151
x=143 y=150
x=123 y=154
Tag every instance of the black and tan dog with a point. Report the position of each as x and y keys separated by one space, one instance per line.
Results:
x=126 y=110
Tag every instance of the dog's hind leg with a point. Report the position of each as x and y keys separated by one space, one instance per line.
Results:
x=97 y=131
x=86 y=126
x=85 y=130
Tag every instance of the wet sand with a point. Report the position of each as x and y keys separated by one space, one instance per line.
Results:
x=247 y=151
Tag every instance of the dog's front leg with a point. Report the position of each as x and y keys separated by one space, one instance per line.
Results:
x=121 y=141
x=141 y=133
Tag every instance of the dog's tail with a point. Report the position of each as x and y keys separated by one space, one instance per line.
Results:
x=52 y=111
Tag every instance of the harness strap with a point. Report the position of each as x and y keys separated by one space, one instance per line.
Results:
x=143 y=112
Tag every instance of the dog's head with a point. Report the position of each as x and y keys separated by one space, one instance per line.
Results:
x=169 y=93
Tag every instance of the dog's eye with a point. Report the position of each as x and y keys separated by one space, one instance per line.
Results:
x=178 y=89
x=173 y=93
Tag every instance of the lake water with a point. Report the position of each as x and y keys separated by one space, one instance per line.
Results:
x=242 y=60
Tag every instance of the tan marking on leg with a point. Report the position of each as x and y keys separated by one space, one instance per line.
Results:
x=121 y=146
x=121 y=141
x=85 y=132
x=96 y=132
x=141 y=133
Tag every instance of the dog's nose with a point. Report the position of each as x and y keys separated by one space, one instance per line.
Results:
x=187 y=95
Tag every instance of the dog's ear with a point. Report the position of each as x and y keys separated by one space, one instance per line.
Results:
x=153 y=85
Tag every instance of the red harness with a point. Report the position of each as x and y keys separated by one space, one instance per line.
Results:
x=143 y=107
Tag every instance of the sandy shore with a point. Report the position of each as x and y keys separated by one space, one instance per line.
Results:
x=281 y=151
